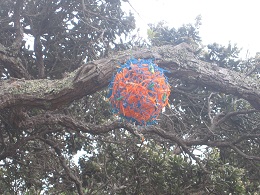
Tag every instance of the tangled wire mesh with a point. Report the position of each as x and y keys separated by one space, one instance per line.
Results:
x=139 y=91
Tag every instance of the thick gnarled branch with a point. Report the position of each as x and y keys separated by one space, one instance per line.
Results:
x=70 y=123
x=179 y=60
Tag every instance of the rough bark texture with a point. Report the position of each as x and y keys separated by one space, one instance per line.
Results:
x=91 y=77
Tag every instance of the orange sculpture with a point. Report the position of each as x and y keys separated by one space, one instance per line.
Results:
x=139 y=91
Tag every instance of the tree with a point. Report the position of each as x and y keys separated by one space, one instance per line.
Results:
x=53 y=105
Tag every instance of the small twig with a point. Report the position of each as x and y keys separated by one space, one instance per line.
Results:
x=210 y=108
x=243 y=154
x=62 y=160
x=230 y=114
x=177 y=140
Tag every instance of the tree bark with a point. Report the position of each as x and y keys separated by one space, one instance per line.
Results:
x=178 y=60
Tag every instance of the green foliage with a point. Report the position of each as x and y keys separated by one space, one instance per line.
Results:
x=65 y=33
x=225 y=178
x=198 y=105
x=68 y=33
x=161 y=34
x=122 y=166
x=226 y=57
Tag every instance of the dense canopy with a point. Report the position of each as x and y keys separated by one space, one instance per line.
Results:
x=59 y=136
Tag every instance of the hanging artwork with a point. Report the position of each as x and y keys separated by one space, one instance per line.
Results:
x=139 y=91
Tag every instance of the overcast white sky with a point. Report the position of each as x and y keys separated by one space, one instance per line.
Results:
x=237 y=21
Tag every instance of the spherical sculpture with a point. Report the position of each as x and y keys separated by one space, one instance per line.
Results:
x=139 y=91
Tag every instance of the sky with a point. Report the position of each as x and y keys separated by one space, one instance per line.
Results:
x=223 y=21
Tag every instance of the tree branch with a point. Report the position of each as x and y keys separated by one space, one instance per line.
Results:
x=63 y=163
x=17 y=25
x=39 y=56
x=75 y=125
x=71 y=123
x=12 y=149
x=8 y=57
x=13 y=64
x=243 y=154
x=52 y=94
x=230 y=114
